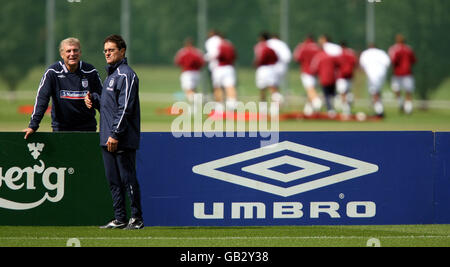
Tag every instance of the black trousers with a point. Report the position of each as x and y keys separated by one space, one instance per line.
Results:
x=120 y=170
x=329 y=92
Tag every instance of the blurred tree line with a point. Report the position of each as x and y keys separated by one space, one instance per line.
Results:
x=22 y=36
x=158 y=29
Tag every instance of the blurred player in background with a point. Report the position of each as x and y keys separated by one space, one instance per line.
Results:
x=284 y=55
x=190 y=60
x=66 y=82
x=375 y=63
x=303 y=54
x=212 y=49
x=325 y=65
x=347 y=64
x=221 y=56
x=266 y=73
x=402 y=58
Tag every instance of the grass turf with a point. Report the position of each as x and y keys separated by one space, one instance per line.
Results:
x=159 y=89
x=272 y=236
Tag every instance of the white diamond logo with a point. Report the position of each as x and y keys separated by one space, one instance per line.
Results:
x=264 y=169
x=306 y=169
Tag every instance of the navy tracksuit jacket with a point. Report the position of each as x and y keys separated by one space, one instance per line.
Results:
x=67 y=91
x=120 y=115
x=120 y=118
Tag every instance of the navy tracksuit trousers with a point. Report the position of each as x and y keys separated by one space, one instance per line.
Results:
x=120 y=170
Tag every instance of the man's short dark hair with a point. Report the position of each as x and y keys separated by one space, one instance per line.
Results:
x=117 y=39
x=265 y=35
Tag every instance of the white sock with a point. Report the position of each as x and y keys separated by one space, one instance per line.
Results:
x=408 y=107
x=219 y=107
x=231 y=104
x=278 y=98
x=308 y=109
x=316 y=104
x=378 y=107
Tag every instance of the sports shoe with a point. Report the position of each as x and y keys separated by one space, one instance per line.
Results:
x=135 y=223
x=114 y=224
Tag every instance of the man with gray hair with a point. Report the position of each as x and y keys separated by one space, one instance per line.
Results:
x=66 y=83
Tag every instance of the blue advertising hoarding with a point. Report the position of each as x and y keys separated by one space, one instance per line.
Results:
x=306 y=178
x=442 y=174
x=301 y=178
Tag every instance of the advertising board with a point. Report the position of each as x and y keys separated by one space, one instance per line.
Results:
x=52 y=179
x=307 y=178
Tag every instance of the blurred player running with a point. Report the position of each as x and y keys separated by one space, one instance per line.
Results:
x=212 y=49
x=347 y=63
x=284 y=55
x=190 y=60
x=325 y=66
x=221 y=55
x=375 y=62
x=266 y=73
x=403 y=58
x=303 y=54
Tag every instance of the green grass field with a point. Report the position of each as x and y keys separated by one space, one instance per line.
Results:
x=274 y=236
x=159 y=88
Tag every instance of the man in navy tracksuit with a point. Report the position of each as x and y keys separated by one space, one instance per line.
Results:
x=67 y=82
x=120 y=132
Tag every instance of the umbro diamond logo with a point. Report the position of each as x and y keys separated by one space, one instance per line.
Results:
x=303 y=169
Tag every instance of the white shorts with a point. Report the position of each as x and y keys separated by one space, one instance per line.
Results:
x=343 y=85
x=266 y=76
x=224 y=76
x=189 y=80
x=375 y=84
x=308 y=80
x=281 y=70
x=403 y=83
